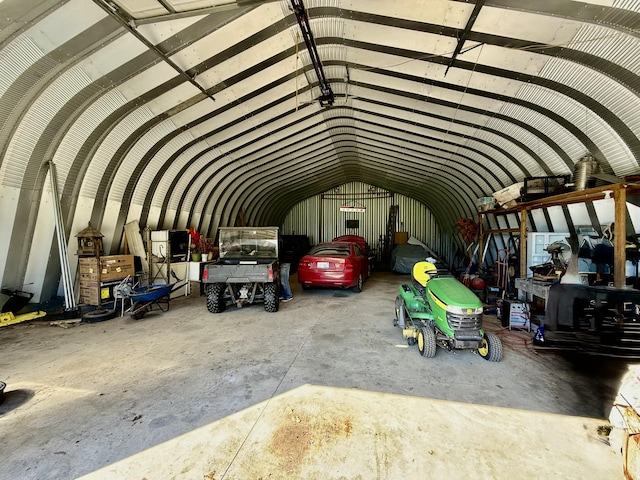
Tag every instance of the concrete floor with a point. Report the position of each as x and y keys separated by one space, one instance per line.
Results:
x=324 y=389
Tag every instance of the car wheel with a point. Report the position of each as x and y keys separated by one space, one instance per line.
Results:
x=427 y=342
x=305 y=286
x=491 y=348
x=215 y=298
x=271 y=297
x=358 y=287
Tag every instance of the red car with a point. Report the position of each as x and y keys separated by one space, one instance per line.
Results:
x=334 y=264
x=362 y=243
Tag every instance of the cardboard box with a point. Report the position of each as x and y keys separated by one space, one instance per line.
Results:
x=90 y=295
x=400 y=238
x=90 y=279
x=89 y=265
x=93 y=276
x=485 y=203
x=116 y=267
x=508 y=194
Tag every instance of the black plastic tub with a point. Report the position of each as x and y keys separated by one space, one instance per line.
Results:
x=17 y=300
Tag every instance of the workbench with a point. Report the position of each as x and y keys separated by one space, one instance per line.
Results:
x=528 y=287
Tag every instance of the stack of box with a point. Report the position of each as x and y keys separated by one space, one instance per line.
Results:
x=89 y=250
x=96 y=273
x=90 y=280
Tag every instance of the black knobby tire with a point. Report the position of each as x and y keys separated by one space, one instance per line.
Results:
x=358 y=287
x=491 y=348
x=427 y=342
x=98 y=315
x=215 y=297
x=271 y=297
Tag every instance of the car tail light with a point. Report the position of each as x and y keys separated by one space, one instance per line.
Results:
x=270 y=273
x=205 y=275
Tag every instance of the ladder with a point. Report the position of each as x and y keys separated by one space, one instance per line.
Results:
x=391 y=229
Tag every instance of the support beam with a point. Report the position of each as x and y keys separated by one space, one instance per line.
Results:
x=167 y=6
x=465 y=33
x=502 y=230
x=580 y=196
x=130 y=25
x=523 y=244
x=620 y=237
x=480 y=241
x=238 y=7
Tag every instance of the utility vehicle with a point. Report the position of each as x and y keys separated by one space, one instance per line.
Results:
x=247 y=271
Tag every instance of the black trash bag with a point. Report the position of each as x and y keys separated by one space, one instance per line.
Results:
x=586 y=249
x=16 y=300
x=603 y=253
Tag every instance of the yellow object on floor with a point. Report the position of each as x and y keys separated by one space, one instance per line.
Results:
x=9 y=318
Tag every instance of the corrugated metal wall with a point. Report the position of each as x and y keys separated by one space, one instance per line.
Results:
x=320 y=218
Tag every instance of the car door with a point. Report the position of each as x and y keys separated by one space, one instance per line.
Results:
x=362 y=260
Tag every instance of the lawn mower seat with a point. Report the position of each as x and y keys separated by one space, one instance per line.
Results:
x=422 y=273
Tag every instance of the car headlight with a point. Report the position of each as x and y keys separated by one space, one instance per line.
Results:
x=463 y=310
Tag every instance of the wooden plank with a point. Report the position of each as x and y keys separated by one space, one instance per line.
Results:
x=523 y=244
x=619 y=239
x=481 y=243
x=502 y=230
x=135 y=243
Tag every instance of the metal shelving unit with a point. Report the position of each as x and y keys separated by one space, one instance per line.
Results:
x=617 y=191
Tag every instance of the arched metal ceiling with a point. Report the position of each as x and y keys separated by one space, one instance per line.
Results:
x=180 y=113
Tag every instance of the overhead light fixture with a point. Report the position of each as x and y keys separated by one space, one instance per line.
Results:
x=326 y=100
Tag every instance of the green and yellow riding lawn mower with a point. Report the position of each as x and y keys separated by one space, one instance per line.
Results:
x=439 y=311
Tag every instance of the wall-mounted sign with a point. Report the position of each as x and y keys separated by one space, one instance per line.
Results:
x=348 y=208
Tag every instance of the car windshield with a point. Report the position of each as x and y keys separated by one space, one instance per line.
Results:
x=330 y=249
x=256 y=242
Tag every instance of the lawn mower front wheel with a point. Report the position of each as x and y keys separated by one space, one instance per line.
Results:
x=491 y=348
x=427 y=342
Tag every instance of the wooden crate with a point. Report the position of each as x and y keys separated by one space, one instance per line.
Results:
x=400 y=238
